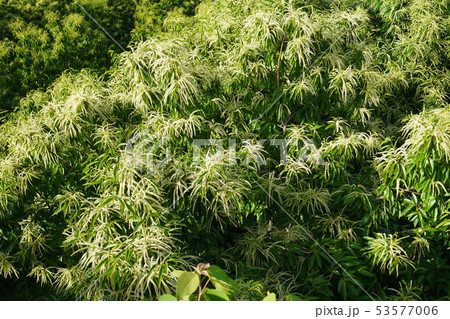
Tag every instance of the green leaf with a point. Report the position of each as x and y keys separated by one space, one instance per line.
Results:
x=177 y=273
x=187 y=283
x=445 y=222
x=292 y=297
x=365 y=272
x=342 y=288
x=221 y=281
x=167 y=297
x=270 y=297
x=215 y=295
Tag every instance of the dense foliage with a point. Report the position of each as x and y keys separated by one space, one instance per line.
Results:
x=362 y=213
x=39 y=39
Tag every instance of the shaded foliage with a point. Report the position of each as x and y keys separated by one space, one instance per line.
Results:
x=362 y=81
x=41 y=39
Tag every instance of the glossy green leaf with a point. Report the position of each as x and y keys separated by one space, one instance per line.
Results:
x=177 y=273
x=215 y=295
x=167 y=297
x=222 y=281
x=270 y=297
x=187 y=284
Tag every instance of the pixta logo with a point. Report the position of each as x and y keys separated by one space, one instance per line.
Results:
x=150 y=151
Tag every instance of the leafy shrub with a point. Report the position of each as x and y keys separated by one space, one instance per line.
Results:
x=363 y=214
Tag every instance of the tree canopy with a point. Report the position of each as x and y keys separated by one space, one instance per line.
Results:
x=40 y=39
x=93 y=207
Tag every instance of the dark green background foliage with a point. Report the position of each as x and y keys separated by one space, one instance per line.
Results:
x=150 y=14
x=365 y=81
x=41 y=39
